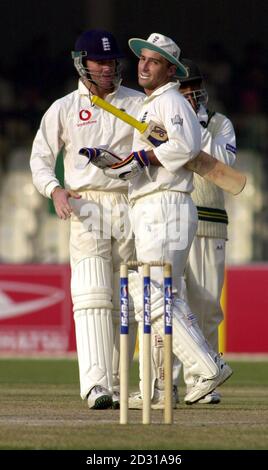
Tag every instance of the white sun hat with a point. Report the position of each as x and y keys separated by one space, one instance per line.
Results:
x=165 y=46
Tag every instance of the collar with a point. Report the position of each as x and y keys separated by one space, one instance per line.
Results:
x=202 y=114
x=84 y=91
x=161 y=90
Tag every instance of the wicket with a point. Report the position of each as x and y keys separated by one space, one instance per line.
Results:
x=124 y=347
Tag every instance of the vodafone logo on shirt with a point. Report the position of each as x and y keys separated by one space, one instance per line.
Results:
x=84 y=116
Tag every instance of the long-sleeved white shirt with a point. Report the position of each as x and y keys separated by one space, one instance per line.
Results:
x=71 y=123
x=218 y=139
x=170 y=110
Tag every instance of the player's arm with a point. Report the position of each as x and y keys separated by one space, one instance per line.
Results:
x=60 y=197
x=183 y=131
x=222 y=144
x=46 y=147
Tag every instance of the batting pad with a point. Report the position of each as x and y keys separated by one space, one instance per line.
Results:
x=191 y=319
x=92 y=295
x=91 y=284
x=189 y=344
x=94 y=336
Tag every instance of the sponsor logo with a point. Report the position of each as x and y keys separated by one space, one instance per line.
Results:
x=159 y=131
x=231 y=148
x=177 y=120
x=84 y=115
x=168 y=292
x=46 y=296
x=106 y=44
x=124 y=291
x=144 y=117
x=86 y=123
x=32 y=340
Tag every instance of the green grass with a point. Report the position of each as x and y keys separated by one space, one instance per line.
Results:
x=40 y=408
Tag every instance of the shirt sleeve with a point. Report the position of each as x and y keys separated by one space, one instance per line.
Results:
x=220 y=142
x=183 y=130
x=46 y=147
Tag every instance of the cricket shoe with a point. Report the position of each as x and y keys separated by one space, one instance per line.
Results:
x=212 y=398
x=99 y=398
x=203 y=387
x=116 y=400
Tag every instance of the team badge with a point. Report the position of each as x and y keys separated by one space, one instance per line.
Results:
x=177 y=120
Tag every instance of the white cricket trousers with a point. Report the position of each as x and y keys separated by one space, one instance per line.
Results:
x=100 y=240
x=202 y=288
x=164 y=225
x=204 y=281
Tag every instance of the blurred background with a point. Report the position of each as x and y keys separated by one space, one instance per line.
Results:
x=227 y=38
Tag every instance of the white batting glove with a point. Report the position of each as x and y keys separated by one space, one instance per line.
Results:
x=100 y=157
x=130 y=167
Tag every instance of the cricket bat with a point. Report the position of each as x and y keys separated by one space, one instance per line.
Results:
x=211 y=169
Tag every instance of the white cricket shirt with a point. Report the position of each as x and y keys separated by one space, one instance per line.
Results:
x=71 y=123
x=170 y=110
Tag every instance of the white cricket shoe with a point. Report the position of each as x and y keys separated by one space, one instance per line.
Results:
x=99 y=398
x=211 y=399
x=203 y=387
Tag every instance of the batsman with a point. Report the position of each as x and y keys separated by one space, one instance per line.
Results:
x=92 y=202
x=163 y=215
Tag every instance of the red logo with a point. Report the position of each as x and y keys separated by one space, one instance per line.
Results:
x=84 y=115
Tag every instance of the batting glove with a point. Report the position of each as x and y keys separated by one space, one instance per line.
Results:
x=128 y=168
x=100 y=157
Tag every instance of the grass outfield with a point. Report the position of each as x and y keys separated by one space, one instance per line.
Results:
x=40 y=408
